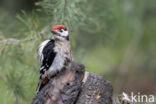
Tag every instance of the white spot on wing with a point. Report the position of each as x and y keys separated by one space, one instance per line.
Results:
x=40 y=49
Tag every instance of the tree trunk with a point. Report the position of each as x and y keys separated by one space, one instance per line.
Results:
x=75 y=86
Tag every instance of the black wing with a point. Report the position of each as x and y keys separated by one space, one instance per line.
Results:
x=48 y=56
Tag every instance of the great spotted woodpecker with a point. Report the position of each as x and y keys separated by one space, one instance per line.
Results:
x=54 y=54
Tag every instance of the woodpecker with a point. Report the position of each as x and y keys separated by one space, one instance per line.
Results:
x=54 y=54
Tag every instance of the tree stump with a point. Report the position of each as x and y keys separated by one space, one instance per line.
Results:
x=75 y=86
x=95 y=90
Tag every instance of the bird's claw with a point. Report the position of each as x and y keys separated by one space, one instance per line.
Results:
x=45 y=79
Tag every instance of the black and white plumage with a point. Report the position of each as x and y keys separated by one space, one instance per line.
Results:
x=54 y=53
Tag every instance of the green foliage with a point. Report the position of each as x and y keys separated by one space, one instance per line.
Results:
x=105 y=34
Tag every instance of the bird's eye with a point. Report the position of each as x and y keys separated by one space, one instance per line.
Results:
x=61 y=30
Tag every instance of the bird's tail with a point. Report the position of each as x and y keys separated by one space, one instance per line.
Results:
x=39 y=87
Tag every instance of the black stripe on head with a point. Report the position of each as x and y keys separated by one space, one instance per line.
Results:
x=67 y=38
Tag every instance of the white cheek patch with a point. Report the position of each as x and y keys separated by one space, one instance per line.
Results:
x=64 y=33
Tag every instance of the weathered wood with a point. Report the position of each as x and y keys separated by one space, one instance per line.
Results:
x=75 y=86
x=95 y=90
x=63 y=88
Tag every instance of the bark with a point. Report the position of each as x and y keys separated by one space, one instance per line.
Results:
x=75 y=86
x=95 y=90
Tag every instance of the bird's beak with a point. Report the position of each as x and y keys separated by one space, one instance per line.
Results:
x=54 y=32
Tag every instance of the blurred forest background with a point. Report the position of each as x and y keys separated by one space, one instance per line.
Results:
x=113 y=38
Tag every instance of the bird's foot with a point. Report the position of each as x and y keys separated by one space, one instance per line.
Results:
x=45 y=79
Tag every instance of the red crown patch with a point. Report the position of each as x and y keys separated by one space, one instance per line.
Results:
x=58 y=27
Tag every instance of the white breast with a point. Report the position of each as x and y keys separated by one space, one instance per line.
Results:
x=63 y=49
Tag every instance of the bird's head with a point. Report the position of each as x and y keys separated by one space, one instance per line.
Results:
x=60 y=32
